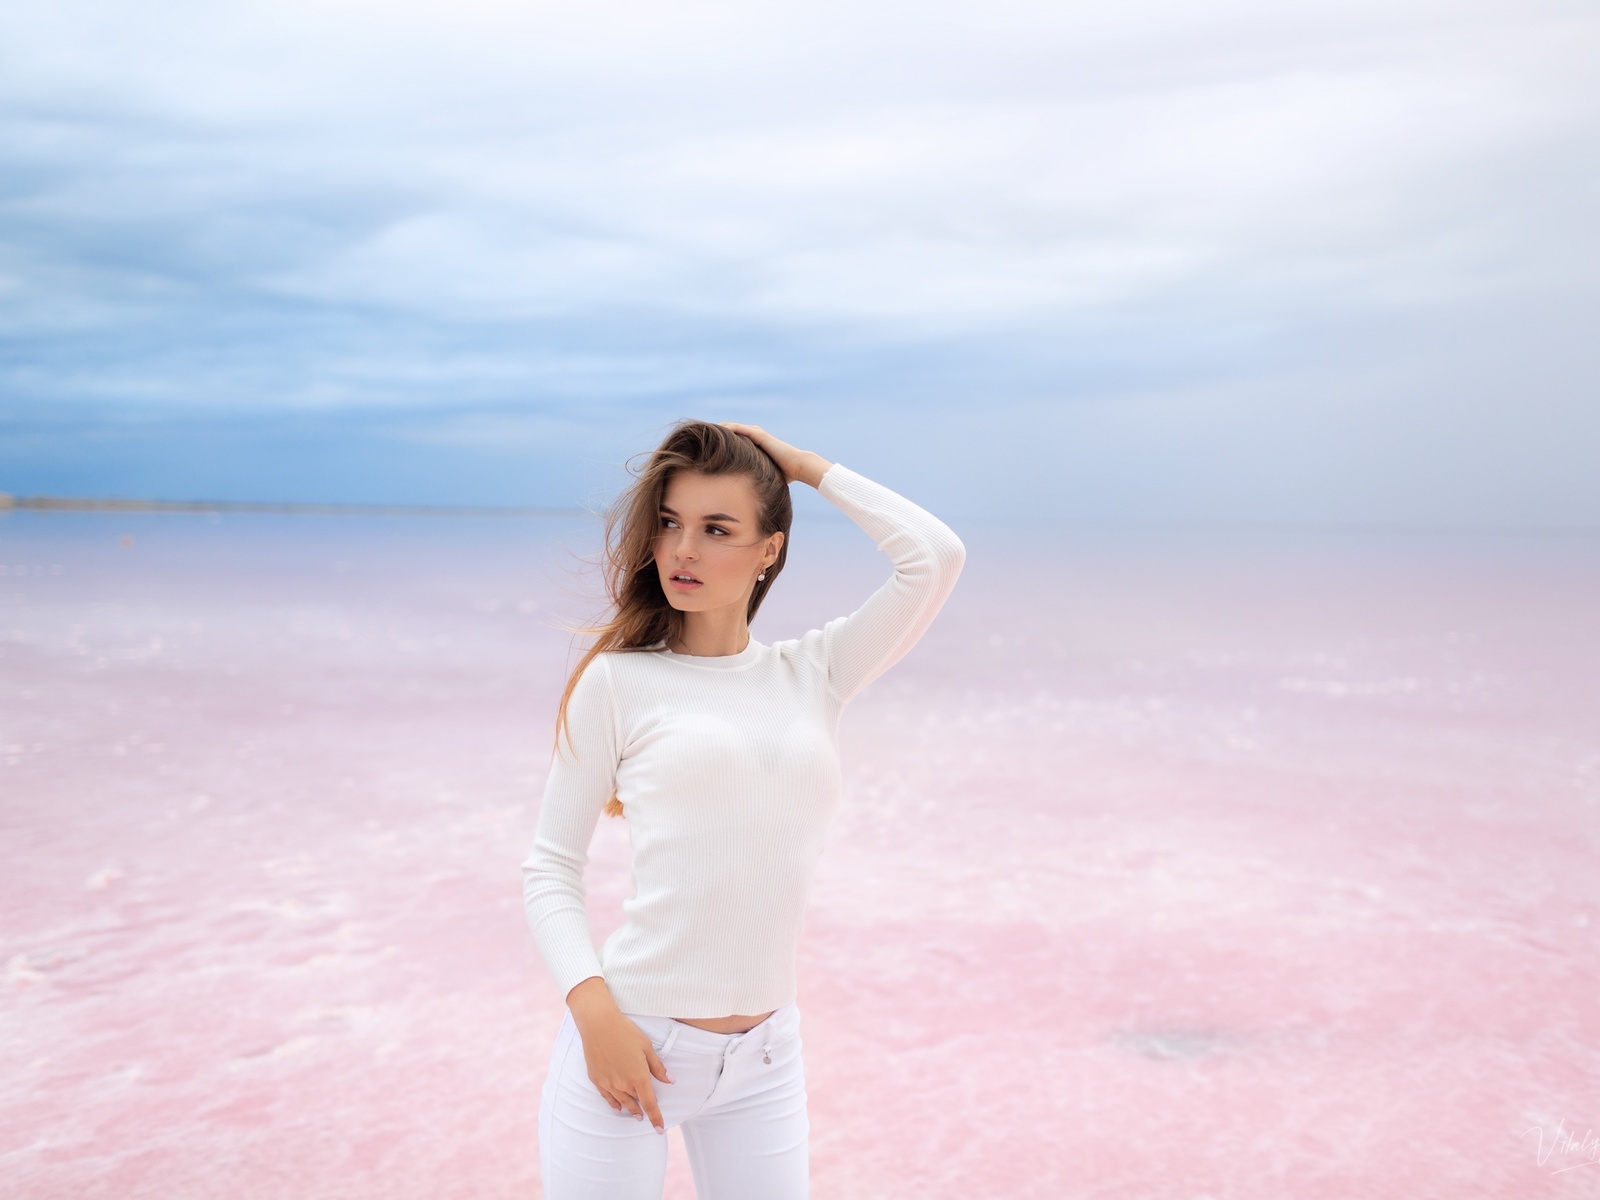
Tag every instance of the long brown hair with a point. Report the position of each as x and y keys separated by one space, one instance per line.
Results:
x=639 y=615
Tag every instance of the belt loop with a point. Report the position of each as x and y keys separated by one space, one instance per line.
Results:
x=672 y=1036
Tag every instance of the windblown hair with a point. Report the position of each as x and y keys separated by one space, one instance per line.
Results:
x=639 y=615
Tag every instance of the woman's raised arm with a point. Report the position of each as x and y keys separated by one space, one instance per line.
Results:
x=926 y=553
x=927 y=557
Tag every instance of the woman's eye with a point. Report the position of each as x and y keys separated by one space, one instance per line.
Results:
x=667 y=522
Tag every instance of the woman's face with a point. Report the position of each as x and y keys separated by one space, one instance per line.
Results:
x=707 y=529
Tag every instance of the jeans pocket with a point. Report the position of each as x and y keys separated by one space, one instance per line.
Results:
x=662 y=1032
x=664 y=1044
x=786 y=1025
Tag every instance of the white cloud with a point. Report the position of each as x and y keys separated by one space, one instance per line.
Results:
x=351 y=203
x=963 y=164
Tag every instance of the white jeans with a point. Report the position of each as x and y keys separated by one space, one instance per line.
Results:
x=744 y=1117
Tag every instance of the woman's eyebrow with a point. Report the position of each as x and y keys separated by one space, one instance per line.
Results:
x=707 y=517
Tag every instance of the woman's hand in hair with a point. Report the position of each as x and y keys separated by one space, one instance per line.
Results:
x=802 y=466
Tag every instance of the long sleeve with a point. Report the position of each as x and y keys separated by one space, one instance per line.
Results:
x=927 y=557
x=575 y=792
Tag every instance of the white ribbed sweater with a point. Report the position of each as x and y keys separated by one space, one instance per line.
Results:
x=728 y=769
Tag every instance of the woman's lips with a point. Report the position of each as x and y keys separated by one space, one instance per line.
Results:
x=684 y=584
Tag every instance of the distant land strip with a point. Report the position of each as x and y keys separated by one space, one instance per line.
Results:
x=113 y=504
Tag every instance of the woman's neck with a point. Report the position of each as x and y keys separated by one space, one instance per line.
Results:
x=705 y=643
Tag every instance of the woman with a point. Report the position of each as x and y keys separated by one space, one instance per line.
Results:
x=723 y=754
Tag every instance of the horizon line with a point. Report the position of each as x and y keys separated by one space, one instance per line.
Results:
x=312 y=508
x=46 y=503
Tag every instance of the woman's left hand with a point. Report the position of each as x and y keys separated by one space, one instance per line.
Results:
x=796 y=464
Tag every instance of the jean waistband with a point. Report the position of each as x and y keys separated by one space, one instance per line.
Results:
x=783 y=1021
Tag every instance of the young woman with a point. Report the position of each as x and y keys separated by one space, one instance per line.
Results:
x=723 y=755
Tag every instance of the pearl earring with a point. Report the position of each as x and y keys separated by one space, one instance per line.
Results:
x=761 y=576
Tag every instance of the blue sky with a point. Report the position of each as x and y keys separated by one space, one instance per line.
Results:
x=1103 y=261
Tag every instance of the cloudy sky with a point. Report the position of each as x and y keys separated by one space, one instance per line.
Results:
x=1131 y=260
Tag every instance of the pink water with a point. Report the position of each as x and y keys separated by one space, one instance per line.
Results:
x=1235 y=865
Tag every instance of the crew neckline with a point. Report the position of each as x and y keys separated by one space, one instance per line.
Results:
x=718 y=662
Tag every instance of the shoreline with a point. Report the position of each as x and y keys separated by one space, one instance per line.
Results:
x=121 y=505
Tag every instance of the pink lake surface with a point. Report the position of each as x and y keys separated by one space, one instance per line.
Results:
x=1178 y=865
